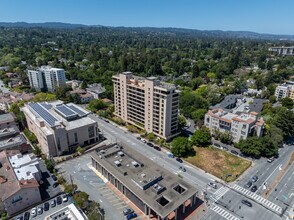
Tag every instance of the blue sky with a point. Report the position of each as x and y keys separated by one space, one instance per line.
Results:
x=263 y=16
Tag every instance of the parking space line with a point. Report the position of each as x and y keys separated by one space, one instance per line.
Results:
x=122 y=207
x=108 y=193
x=110 y=197
x=119 y=203
x=116 y=199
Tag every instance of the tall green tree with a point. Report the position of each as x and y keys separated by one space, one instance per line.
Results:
x=201 y=137
x=181 y=147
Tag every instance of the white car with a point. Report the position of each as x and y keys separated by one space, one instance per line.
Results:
x=64 y=198
x=213 y=185
x=34 y=212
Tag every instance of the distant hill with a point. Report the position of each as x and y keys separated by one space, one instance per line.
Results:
x=168 y=30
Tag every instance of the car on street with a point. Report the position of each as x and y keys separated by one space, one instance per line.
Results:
x=270 y=159
x=26 y=216
x=40 y=210
x=226 y=149
x=131 y=216
x=128 y=211
x=213 y=185
x=34 y=212
x=64 y=198
x=254 y=188
x=254 y=179
x=59 y=200
x=183 y=169
x=150 y=144
x=19 y=218
x=138 y=138
x=171 y=156
x=55 y=184
x=248 y=184
x=246 y=202
x=179 y=160
x=217 y=145
x=54 y=177
x=53 y=203
x=157 y=148
x=46 y=206
x=234 y=152
x=144 y=141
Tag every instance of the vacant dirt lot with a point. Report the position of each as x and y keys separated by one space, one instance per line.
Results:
x=219 y=163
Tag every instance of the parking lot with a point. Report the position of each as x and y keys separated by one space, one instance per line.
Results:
x=45 y=213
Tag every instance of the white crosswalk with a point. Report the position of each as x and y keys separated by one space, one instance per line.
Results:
x=224 y=213
x=259 y=199
x=219 y=193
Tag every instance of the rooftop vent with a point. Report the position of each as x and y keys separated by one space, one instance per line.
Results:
x=120 y=153
x=135 y=164
x=117 y=163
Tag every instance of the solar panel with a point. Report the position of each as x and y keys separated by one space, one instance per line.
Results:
x=65 y=110
x=80 y=112
x=43 y=113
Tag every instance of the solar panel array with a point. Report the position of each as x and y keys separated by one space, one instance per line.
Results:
x=65 y=110
x=42 y=112
x=81 y=113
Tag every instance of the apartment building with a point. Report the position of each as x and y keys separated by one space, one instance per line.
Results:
x=239 y=124
x=19 y=189
x=285 y=90
x=60 y=128
x=46 y=78
x=147 y=103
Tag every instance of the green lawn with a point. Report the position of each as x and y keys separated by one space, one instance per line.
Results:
x=219 y=163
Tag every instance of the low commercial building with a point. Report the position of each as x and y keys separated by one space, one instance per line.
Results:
x=10 y=136
x=285 y=90
x=60 y=128
x=68 y=212
x=154 y=190
x=18 y=190
x=147 y=103
x=286 y=51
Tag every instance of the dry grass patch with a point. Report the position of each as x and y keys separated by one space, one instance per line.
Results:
x=219 y=163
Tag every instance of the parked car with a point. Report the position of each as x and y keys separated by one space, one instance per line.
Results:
x=59 y=200
x=217 y=145
x=40 y=210
x=150 y=144
x=54 y=177
x=254 y=178
x=53 y=203
x=183 y=169
x=234 y=152
x=270 y=159
x=143 y=140
x=226 y=149
x=46 y=206
x=64 y=198
x=34 y=212
x=246 y=202
x=131 y=216
x=19 y=218
x=171 y=155
x=55 y=184
x=179 y=160
x=213 y=185
x=139 y=138
x=248 y=184
x=254 y=188
x=157 y=148
x=26 y=216
x=128 y=211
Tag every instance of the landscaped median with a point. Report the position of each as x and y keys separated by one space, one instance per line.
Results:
x=221 y=164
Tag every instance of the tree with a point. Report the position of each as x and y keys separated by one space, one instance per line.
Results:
x=272 y=99
x=283 y=119
x=201 y=137
x=250 y=146
x=84 y=85
x=37 y=150
x=287 y=102
x=198 y=115
x=81 y=199
x=181 y=147
x=96 y=104
x=49 y=165
x=151 y=136
x=181 y=122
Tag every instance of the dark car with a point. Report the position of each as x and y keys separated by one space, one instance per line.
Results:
x=128 y=211
x=26 y=216
x=138 y=138
x=247 y=203
x=59 y=200
x=183 y=169
x=254 y=178
x=150 y=144
x=234 y=152
x=19 y=218
x=54 y=177
x=253 y=189
x=46 y=206
x=248 y=185
x=131 y=216
x=157 y=148
x=55 y=184
x=217 y=145
x=225 y=148
x=179 y=160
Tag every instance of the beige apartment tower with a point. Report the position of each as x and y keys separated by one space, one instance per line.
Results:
x=147 y=103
